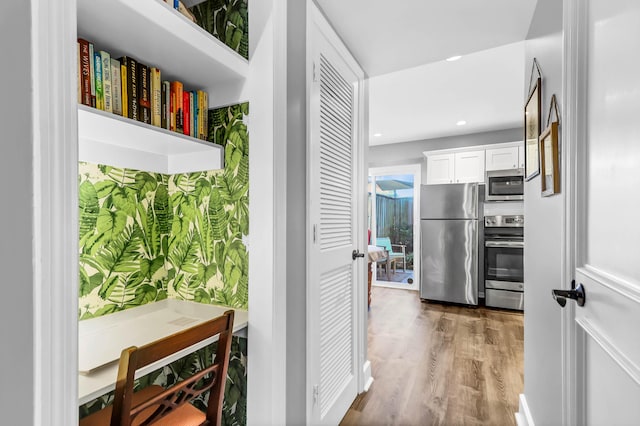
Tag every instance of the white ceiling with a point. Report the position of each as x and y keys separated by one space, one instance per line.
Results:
x=485 y=89
x=414 y=93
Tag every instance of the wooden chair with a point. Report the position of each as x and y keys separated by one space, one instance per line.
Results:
x=163 y=407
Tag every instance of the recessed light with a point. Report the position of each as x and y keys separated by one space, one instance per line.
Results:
x=461 y=123
x=377 y=135
x=454 y=58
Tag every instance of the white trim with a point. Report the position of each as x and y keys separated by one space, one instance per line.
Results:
x=366 y=374
x=266 y=86
x=55 y=211
x=617 y=284
x=523 y=416
x=473 y=148
x=416 y=171
x=572 y=132
x=621 y=359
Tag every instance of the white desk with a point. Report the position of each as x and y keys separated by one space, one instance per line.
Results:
x=102 y=339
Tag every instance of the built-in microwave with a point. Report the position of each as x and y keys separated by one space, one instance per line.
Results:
x=504 y=185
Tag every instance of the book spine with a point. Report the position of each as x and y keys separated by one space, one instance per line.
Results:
x=144 y=98
x=200 y=114
x=85 y=73
x=194 y=111
x=177 y=87
x=123 y=85
x=116 y=86
x=206 y=115
x=132 y=86
x=166 y=106
x=156 y=97
x=79 y=73
x=172 y=108
x=92 y=75
x=106 y=81
x=163 y=109
x=99 y=93
x=186 y=123
x=192 y=118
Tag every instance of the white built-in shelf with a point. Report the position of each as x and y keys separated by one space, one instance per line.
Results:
x=157 y=35
x=106 y=138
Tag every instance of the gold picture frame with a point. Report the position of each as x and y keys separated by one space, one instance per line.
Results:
x=550 y=162
x=532 y=131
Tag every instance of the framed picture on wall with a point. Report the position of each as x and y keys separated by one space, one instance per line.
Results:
x=550 y=170
x=532 y=131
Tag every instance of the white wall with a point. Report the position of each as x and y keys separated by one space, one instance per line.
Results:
x=16 y=258
x=543 y=247
x=411 y=152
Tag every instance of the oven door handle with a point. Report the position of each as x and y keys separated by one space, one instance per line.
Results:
x=504 y=244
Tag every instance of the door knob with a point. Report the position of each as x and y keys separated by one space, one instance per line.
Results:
x=578 y=294
x=355 y=254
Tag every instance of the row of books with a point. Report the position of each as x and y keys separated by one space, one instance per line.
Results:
x=126 y=87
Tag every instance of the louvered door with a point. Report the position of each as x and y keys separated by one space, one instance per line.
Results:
x=333 y=273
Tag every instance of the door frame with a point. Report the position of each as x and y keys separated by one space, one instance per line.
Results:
x=573 y=130
x=315 y=18
x=405 y=169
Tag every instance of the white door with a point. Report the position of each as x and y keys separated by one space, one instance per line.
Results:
x=603 y=92
x=334 y=194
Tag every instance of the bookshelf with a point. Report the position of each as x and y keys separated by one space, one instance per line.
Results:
x=106 y=138
x=157 y=35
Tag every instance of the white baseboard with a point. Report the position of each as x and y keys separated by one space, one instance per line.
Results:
x=366 y=374
x=523 y=416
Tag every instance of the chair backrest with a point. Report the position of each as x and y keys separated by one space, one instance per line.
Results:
x=384 y=242
x=211 y=378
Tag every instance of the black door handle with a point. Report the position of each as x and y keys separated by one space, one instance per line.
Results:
x=578 y=294
x=355 y=254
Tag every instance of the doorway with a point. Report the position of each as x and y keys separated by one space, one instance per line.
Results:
x=393 y=221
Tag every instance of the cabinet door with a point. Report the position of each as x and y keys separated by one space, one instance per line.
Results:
x=521 y=157
x=469 y=166
x=440 y=169
x=502 y=158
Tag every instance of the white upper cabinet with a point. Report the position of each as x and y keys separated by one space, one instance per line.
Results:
x=502 y=158
x=440 y=169
x=521 y=156
x=469 y=166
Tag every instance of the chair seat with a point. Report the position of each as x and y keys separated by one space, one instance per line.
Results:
x=186 y=415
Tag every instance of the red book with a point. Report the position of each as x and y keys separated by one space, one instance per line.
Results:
x=85 y=72
x=186 y=111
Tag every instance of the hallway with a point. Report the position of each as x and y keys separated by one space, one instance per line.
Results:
x=437 y=364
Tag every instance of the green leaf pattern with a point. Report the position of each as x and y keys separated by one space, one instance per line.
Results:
x=227 y=20
x=148 y=236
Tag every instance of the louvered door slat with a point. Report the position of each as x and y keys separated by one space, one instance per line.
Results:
x=335 y=333
x=336 y=104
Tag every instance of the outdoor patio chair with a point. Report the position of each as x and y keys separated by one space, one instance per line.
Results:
x=394 y=256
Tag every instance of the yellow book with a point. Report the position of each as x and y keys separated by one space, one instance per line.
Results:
x=125 y=98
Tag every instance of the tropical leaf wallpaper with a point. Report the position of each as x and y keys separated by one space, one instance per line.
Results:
x=228 y=20
x=148 y=236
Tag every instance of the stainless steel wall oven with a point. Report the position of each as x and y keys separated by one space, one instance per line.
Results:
x=504 y=264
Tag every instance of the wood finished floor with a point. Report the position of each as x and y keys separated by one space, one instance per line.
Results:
x=437 y=364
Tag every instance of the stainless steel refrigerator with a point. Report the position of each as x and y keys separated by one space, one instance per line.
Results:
x=449 y=243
